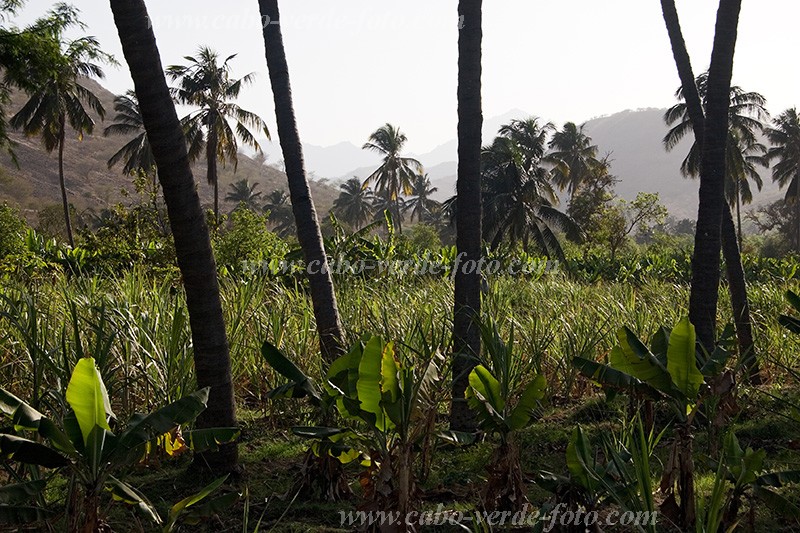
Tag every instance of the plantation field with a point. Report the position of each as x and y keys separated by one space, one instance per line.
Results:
x=136 y=327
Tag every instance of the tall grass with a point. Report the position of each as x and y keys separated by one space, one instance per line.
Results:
x=136 y=326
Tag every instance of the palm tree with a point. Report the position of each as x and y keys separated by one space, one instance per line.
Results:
x=784 y=136
x=737 y=285
x=743 y=151
x=715 y=227
x=420 y=202
x=519 y=202
x=396 y=174
x=244 y=193
x=279 y=206
x=187 y=221
x=218 y=124
x=136 y=155
x=323 y=296
x=574 y=157
x=355 y=204
x=59 y=100
x=467 y=297
x=25 y=54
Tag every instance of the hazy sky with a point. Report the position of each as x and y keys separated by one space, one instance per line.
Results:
x=356 y=64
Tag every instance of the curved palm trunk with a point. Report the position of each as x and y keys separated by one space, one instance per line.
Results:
x=62 y=139
x=188 y=223
x=715 y=225
x=467 y=309
x=323 y=296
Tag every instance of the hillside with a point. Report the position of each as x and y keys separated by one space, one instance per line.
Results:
x=91 y=184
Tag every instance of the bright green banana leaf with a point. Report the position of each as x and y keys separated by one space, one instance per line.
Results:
x=88 y=397
x=682 y=361
x=370 y=383
x=632 y=357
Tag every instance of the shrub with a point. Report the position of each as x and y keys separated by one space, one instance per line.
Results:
x=247 y=238
x=12 y=231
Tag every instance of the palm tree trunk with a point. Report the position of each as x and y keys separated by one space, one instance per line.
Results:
x=708 y=239
x=188 y=223
x=739 y=216
x=733 y=261
x=62 y=138
x=323 y=296
x=397 y=216
x=211 y=158
x=737 y=288
x=467 y=309
x=797 y=214
x=713 y=132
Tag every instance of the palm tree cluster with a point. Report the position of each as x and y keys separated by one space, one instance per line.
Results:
x=358 y=204
x=519 y=180
x=277 y=204
x=214 y=129
x=744 y=154
x=400 y=186
x=522 y=171
x=395 y=177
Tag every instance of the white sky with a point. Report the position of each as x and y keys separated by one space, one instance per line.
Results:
x=356 y=64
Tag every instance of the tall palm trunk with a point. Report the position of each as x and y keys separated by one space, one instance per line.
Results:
x=737 y=286
x=715 y=225
x=211 y=157
x=188 y=223
x=397 y=216
x=62 y=139
x=323 y=296
x=467 y=309
x=708 y=239
x=738 y=217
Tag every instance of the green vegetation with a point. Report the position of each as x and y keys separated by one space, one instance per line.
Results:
x=483 y=354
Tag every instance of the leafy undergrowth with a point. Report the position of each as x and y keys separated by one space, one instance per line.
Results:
x=272 y=457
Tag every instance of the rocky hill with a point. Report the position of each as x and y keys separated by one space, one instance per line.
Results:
x=91 y=184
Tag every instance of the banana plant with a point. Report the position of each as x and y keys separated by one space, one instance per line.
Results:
x=670 y=370
x=388 y=399
x=623 y=479
x=789 y=322
x=503 y=404
x=322 y=474
x=739 y=475
x=92 y=449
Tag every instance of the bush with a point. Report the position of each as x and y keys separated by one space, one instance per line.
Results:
x=12 y=231
x=246 y=238
x=424 y=237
